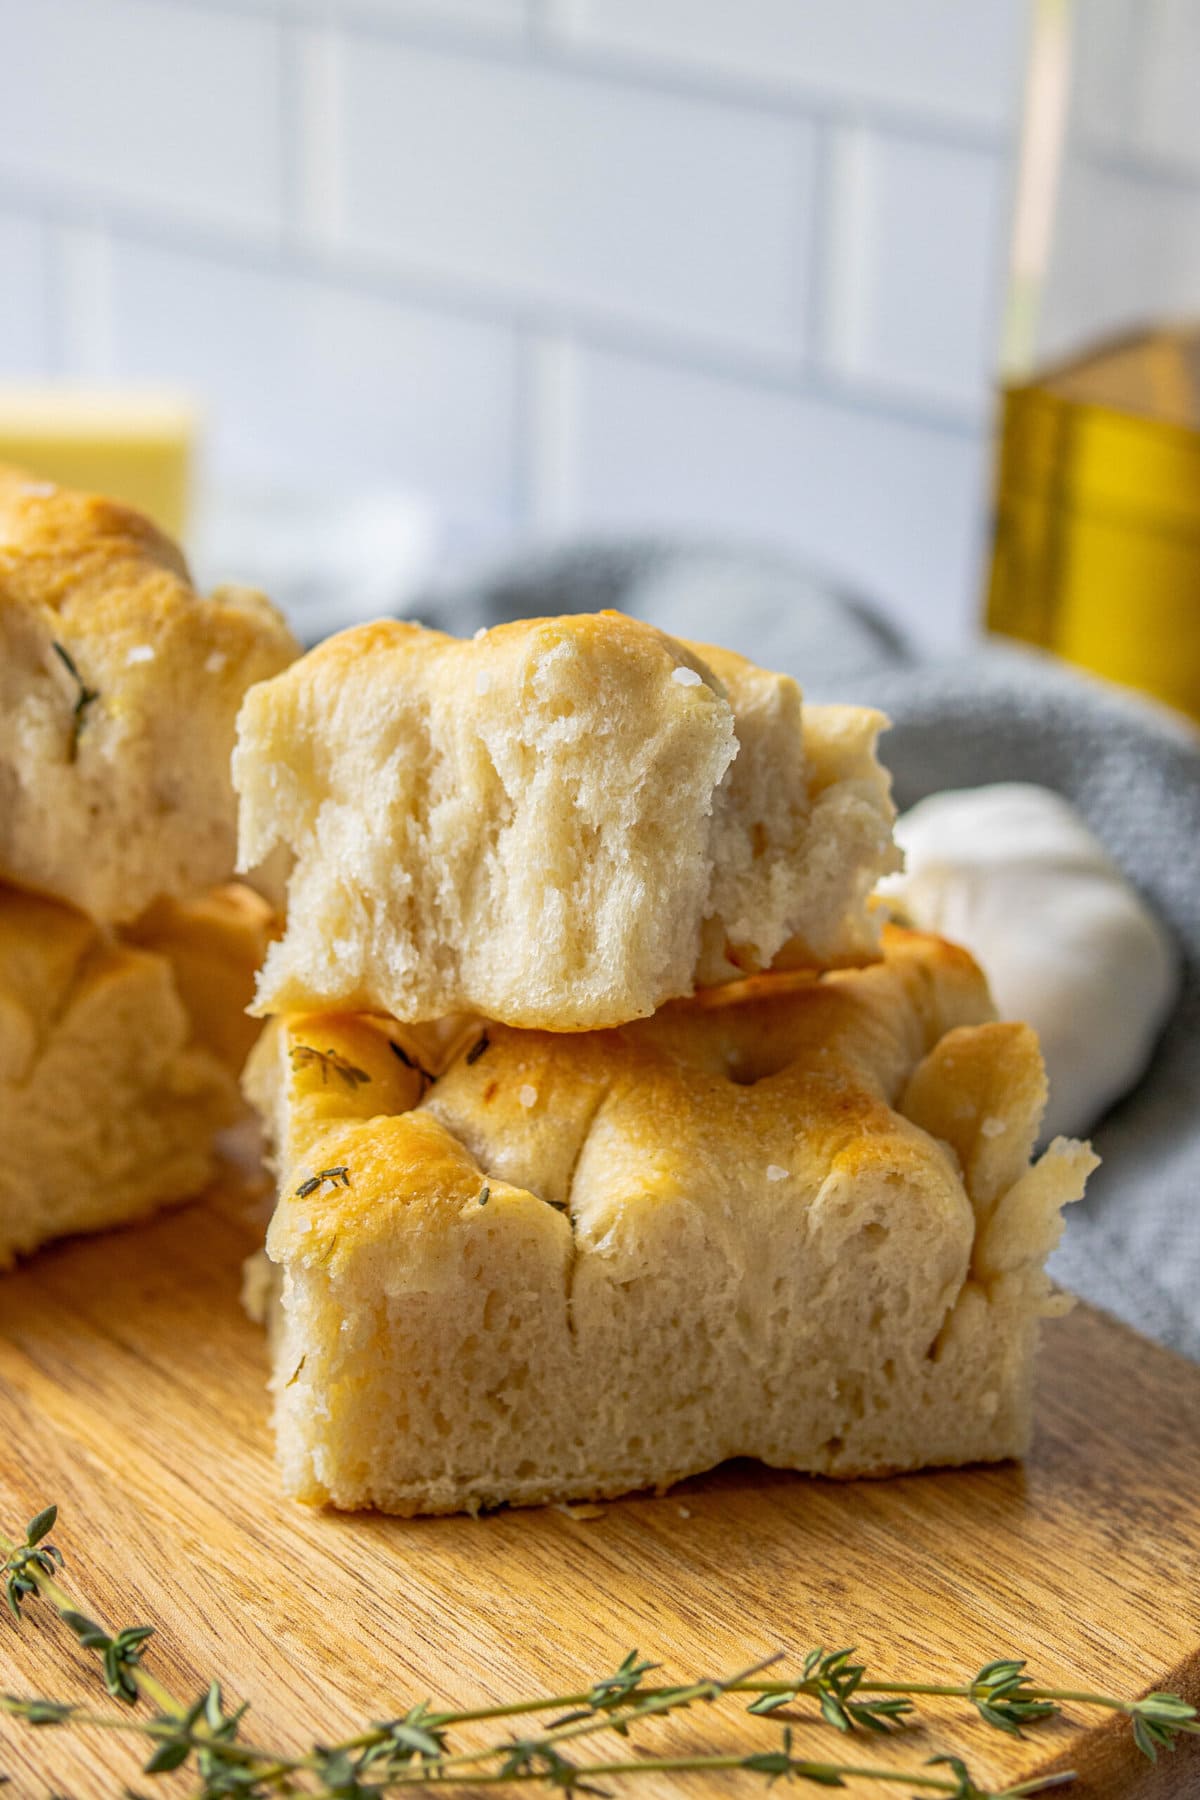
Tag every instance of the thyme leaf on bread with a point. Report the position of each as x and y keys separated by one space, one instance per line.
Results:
x=477 y=1049
x=410 y=1062
x=84 y=696
x=205 y=1738
x=327 y=1060
x=340 y=1177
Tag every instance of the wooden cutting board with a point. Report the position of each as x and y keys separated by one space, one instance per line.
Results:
x=131 y=1392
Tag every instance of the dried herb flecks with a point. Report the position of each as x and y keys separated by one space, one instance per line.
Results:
x=410 y=1062
x=340 y=1177
x=329 y=1061
x=84 y=696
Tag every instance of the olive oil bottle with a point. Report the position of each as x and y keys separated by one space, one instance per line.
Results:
x=1097 y=513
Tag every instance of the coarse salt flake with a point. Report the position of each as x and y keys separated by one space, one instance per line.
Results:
x=141 y=653
x=481 y=633
x=483 y=682
x=215 y=661
x=775 y=1173
x=994 y=1128
x=527 y=1096
x=684 y=677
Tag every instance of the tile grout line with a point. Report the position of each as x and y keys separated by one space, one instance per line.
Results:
x=670 y=346
x=549 y=41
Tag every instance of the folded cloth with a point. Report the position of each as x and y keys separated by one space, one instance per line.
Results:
x=1001 y=713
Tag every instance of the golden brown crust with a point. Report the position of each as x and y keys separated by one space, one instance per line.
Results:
x=609 y=633
x=824 y=1061
x=64 y=551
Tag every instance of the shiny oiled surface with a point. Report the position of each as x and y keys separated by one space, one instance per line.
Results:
x=131 y=1392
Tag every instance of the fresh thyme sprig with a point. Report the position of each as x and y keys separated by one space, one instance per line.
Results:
x=84 y=696
x=415 y=1748
x=833 y=1681
x=120 y=1655
x=25 y=1562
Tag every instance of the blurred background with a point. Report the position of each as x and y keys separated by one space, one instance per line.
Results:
x=444 y=278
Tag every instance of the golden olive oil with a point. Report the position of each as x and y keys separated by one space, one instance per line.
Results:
x=1097 y=528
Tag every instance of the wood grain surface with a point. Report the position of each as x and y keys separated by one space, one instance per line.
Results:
x=131 y=1392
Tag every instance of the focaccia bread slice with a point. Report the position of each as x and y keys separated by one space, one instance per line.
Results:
x=561 y=823
x=119 y=692
x=794 y=1219
x=119 y=1061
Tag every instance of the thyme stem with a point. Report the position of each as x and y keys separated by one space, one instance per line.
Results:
x=648 y=1707
x=948 y=1691
x=168 y=1730
x=713 y=1764
x=63 y=1603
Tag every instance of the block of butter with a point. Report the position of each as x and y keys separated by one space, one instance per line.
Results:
x=133 y=444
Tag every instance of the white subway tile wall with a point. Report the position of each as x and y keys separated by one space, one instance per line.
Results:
x=559 y=265
x=938 y=59
x=314 y=382
x=653 y=446
x=24 y=293
x=570 y=193
x=171 y=107
x=916 y=266
x=489 y=15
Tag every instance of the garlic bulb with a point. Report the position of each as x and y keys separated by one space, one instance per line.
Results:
x=1014 y=874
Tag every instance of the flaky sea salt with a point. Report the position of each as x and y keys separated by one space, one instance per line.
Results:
x=483 y=682
x=685 y=677
x=141 y=653
x=775 y=1173
x=482 y=632
x=215 y=661
x=993 y=1128
x=527 y=1096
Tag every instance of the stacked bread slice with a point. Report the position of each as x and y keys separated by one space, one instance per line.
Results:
x=126 y=953
x=612 y=1141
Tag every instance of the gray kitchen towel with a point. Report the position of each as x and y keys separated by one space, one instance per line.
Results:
x=999 y=714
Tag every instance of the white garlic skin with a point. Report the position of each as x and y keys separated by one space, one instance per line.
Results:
x=1012 y=873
